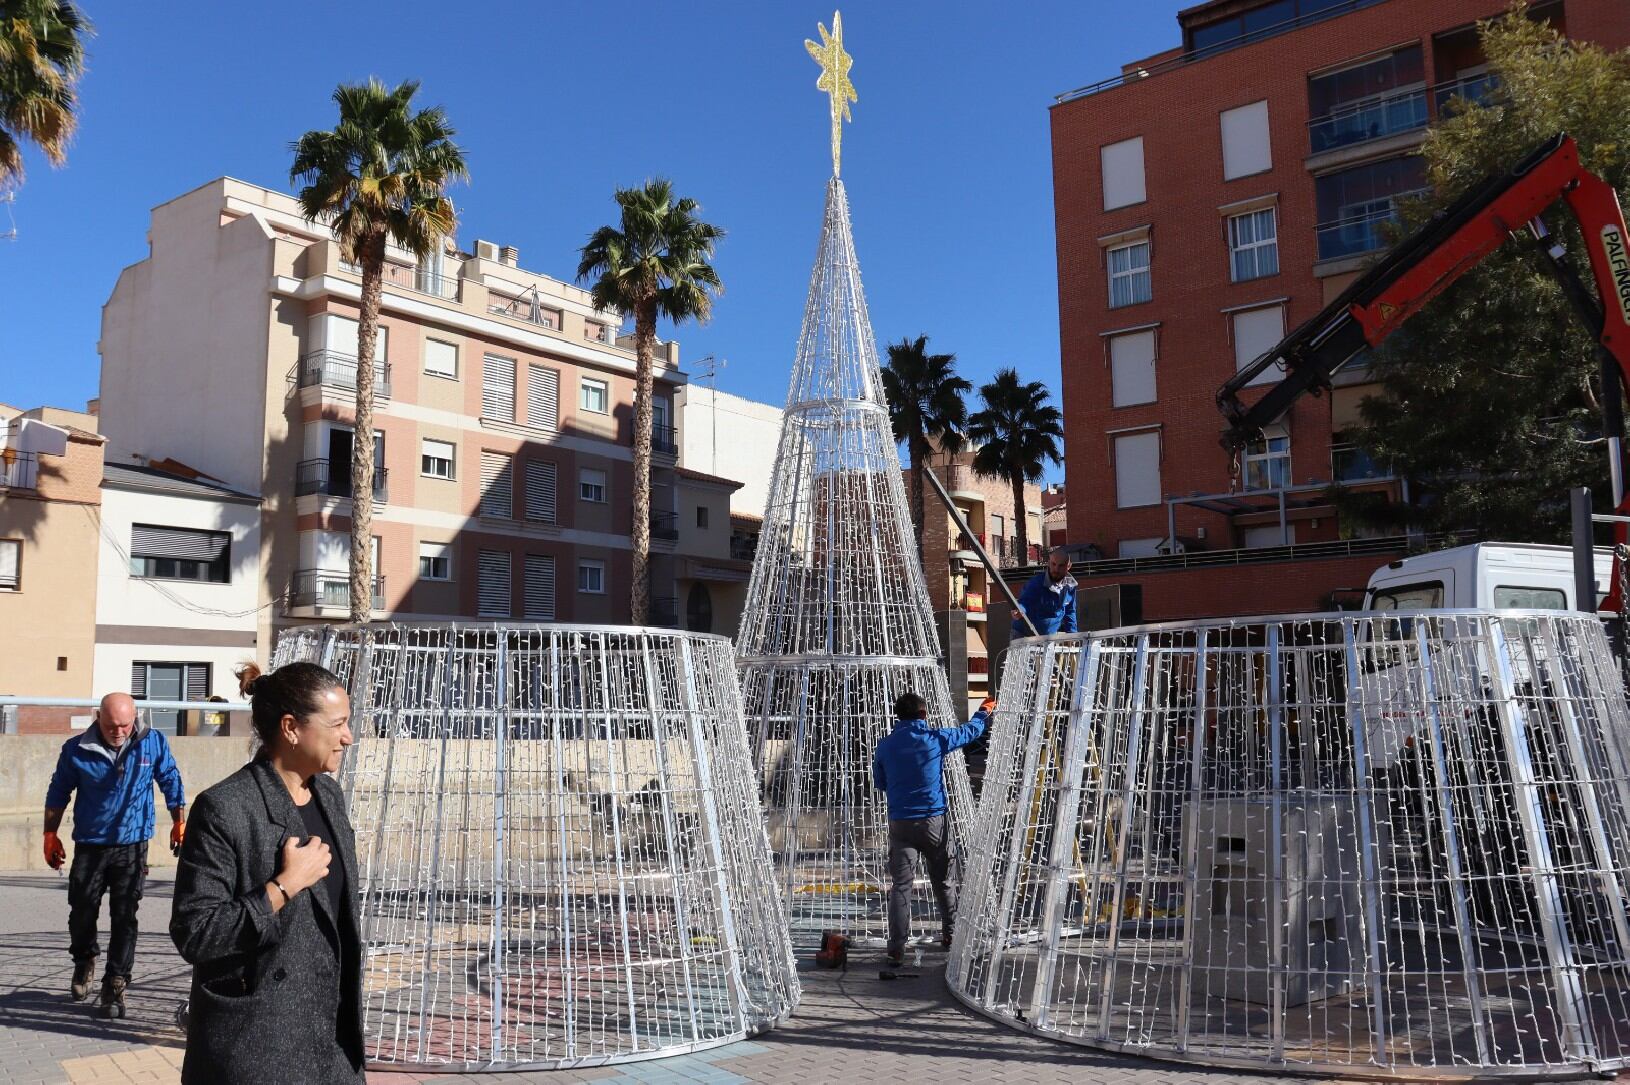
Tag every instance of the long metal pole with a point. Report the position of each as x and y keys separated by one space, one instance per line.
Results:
x=990 y=566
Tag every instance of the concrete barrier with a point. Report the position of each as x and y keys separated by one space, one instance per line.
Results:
x=26 y=764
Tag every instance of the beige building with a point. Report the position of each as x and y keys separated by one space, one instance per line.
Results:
x=504 y=418
x=50 y=518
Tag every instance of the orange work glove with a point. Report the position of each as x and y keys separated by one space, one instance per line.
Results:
x=988 y=705
x=55 y=853
x=178 y=832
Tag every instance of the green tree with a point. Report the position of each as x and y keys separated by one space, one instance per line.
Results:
x=655 y=263
x=1017 y=432
x=42 y=56
x=1490 y=397
x=378 y=176
x=925 y=407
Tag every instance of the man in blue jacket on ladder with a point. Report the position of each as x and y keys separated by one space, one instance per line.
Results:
x=909 y=767
x=113 y=765
x=1048 y=599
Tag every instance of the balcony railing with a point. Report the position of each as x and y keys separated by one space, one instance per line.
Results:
x=331 y=369
x=664 y=438
x=416 y=279
x=19 y=470
x=1349 y=463
x=743 y=548
x=333 y=479
x=1477 y=89
x=665 y=611
x=329 y=589
x=1368 y=119
x=664 y=525
x=1354 y=235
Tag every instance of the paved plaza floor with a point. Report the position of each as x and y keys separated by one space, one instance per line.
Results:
x=851 y=1028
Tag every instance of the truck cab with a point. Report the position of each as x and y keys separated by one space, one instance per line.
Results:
x=1497 y=576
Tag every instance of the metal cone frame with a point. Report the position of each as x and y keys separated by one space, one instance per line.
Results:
x=837 y=622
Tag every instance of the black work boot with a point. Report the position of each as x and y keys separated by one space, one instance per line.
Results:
x=113 y=997
x=84 y=972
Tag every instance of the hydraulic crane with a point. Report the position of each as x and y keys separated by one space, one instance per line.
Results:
x=1424 y=264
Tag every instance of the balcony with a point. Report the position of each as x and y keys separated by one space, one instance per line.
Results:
x=19 y=470
x=664 y=439
x=1360 y=232
x=1368 y=119
x=664 y=525
x=333 y=479
x=1476 y=89
x=1350 y=464
x=665 y=611
x=743 y=547
x=416 y=279
x=328 y=591
x=331 y=369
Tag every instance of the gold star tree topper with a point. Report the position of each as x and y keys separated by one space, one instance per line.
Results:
x=834 y=79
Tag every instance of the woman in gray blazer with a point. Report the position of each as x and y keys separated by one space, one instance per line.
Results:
x=266 y=900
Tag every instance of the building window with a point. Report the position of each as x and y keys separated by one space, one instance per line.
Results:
x=1267 y=462
x=538 y=595
x=1137 y=469
x=435 y=561
x=543 y=397
x=441 y=359
x=591 y=485
x=1245 y=143
x=1355 y=205
x=493 y=586
x=1129 y=281
x=1122 y=165
x=540 y=491
x=1255 y=332
x=591 y=577
x=11 y=564
x=701 y=516
x=173 y=553
x=498 y=388
x=168 y=682
x=1368 y=101
x=1132 y=368
x=497 y=485
x=594 y=396
x=436 y=458
x=1253 y=245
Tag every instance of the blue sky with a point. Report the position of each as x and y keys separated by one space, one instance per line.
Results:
x=947 y=162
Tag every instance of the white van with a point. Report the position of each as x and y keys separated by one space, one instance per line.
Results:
x=1523 y=576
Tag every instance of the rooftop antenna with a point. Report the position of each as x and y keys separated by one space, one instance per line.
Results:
x=708 y=366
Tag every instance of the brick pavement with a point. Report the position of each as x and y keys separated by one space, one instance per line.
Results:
x=851 y=1027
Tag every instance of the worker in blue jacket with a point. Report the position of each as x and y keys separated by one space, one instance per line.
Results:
x=112 y=766
x=1048 y=599
x=909 y=767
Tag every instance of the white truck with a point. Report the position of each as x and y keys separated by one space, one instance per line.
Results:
x=1522 y=576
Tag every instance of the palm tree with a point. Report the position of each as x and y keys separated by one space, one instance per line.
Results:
x=380 y=175
x=656 y=264
x=42 y=55
x=1016 y=431
x=925 y=408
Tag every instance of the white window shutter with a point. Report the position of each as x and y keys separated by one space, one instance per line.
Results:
x=197 y=681
x=1245 y=141
x=1132 y=368
x=498 y=388
x=10 y=550
x=440 y=358
x=1257 y=331
x=138 y=680
x=539 y=600
x=543 y=397
x=493 y=589
x=497 y=486
x=1137 y=469
x=1122 y=165
x=540 y=491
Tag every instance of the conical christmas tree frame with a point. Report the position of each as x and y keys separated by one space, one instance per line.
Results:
x=837 y=622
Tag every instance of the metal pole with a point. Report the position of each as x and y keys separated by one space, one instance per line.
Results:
x=990 y=566
x=1584 y=551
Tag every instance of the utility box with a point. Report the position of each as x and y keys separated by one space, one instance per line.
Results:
x=1319 y=909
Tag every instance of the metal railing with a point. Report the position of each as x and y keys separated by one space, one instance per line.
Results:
x=332 y=369
x=524 y=304
x=1209 y=559
x=664 y=525
x=413 y=278
x=743 y=549
x=1356 y=234
x=665 y=611
x=333 y=479
x=19 y=470
x=1367 y=119
x=1477 y=89
x=1349 y=463
x=664 y=438
x=329 y=589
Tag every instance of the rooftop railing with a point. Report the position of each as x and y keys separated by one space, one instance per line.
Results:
x=414 y=278
x=19 y=470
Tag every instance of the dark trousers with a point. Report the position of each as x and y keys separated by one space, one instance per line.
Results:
x=907 y=840
x=117 y=870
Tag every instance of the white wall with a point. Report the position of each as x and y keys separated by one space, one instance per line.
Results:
x=748 y=433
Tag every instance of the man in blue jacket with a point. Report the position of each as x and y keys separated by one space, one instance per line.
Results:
x=909 y=767
x=1048 y=599
x=112 y=765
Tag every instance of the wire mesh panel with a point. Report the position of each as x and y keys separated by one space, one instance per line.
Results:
x=837 y=622
x=1393 y=845
x=562 y=856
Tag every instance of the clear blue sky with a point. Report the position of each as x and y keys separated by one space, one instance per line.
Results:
x=947 y=161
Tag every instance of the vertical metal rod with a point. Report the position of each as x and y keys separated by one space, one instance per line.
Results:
x=617 y=770
x=568 y=978
x=1134 y=753
x=1358 y=722
x=500 y=818
x=1584 y=550
x=659 y=734
x=1191 y=853
x=433 y=903
x=1277 y=932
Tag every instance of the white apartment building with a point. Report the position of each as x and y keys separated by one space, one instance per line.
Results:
x=504 y=416
x=730 y=437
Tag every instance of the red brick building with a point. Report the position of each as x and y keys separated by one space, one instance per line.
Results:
x=1207 y=200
